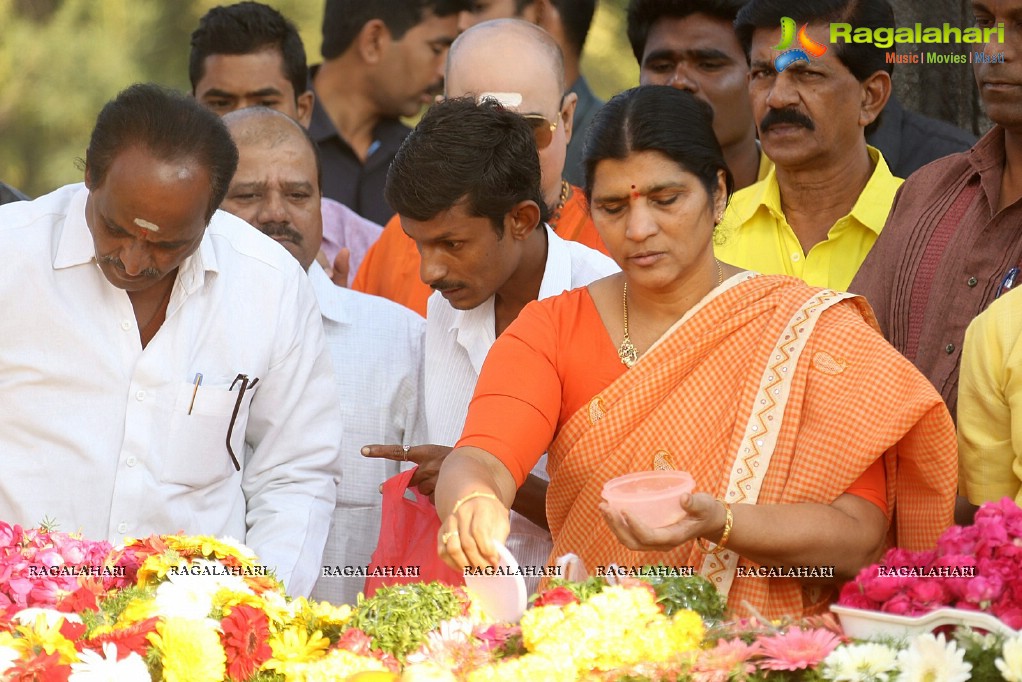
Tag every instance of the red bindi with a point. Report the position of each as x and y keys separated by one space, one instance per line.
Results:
x=635 y=193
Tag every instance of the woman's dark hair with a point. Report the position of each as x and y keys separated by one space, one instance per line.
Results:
x=661 y=119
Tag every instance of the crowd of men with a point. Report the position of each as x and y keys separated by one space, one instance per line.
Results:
x=197 y=377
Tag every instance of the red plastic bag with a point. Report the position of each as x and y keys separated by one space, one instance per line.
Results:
x=408 y=531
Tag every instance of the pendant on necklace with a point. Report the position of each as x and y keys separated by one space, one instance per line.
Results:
x=627 y=352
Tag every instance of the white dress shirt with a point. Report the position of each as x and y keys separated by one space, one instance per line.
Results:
x=457 y=342
x=376 y=346
x=114 y=440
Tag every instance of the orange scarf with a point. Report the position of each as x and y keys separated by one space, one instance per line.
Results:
x=721 y=397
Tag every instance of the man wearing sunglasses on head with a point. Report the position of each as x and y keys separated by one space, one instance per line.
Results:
x=478 y=66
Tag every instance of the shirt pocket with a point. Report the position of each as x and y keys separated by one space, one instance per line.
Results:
x=197 y=438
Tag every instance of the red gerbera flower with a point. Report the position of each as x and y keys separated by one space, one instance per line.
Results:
x=42 y=667
x=134 y=638
x=246 y=630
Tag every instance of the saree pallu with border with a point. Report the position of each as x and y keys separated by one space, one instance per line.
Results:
x=767 y=392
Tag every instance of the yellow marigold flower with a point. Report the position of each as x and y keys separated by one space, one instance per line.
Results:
x=224 y=599
x=293 y=647
x=616 y=628
x=336 y=665
x=155 y=567
x=137 y=611
x=190 y=650
x=327 y=613
x=527 y=667
x=44 y=635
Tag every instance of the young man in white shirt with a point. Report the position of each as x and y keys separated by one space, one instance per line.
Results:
x=466 y=183
x=375 y=344
x=163 y=366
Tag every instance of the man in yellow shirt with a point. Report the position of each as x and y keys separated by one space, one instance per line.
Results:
x=990 y=404
x=818 y=212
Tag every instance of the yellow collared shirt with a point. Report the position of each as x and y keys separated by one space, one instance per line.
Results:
x=758 y=237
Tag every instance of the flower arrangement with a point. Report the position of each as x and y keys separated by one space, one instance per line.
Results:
x=976 y=568
x=172 y=608
x=162 y=608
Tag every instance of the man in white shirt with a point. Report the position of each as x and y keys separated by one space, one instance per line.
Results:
x=163 y=367
x=466 y=183
x=376 y=345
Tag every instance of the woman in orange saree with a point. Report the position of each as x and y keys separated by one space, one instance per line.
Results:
x=813 y=443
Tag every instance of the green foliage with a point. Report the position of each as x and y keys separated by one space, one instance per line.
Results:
x=398 y=617
x=582 y=590
x=694 y=592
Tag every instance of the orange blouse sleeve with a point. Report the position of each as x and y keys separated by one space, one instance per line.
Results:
x=872 y=485
x=547 y=365
x=514 y=412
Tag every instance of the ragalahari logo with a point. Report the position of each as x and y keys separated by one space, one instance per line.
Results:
x=808 y=46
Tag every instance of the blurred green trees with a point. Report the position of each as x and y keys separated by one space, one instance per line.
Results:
x=61 y=60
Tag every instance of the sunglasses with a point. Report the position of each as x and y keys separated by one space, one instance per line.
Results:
x=542 y=129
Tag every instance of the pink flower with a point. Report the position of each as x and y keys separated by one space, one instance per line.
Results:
x=729 y=657
x=984 y=588
x=796 y=649
x=496 y=635
x=958 y=540
x=883 y=588
x=927 y=594
x=899 y=606
x=558 y=596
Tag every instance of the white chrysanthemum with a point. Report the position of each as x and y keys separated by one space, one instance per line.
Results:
x=243 y=550
x=1010 y=662
x=868 y=662
x=188 y=593
x=933 y=659
x=52 y=617
x=104 y=667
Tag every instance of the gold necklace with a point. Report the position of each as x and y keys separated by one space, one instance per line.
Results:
x=627 y=351
x=565 y=187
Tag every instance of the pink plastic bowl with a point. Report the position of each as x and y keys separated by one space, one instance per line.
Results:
x=652 y=497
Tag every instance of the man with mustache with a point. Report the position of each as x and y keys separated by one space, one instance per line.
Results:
x=818 y=213
x=375 y=344
x=953 y=242
x=165 y=369
x=381 y=60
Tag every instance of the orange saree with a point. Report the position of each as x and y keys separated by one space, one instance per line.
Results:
x=772 y=392
x=767 y=392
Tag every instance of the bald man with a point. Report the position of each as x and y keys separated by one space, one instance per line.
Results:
x=568 y=21
x=520 y=65
x=375 y=345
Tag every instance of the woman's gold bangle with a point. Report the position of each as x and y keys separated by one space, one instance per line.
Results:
x=472 y=496
x=729 y=521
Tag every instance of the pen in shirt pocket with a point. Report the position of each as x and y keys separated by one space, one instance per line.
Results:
x=195 y=391
x=1008 y=282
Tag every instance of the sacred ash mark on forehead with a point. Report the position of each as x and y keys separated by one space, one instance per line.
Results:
x=145 y=224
